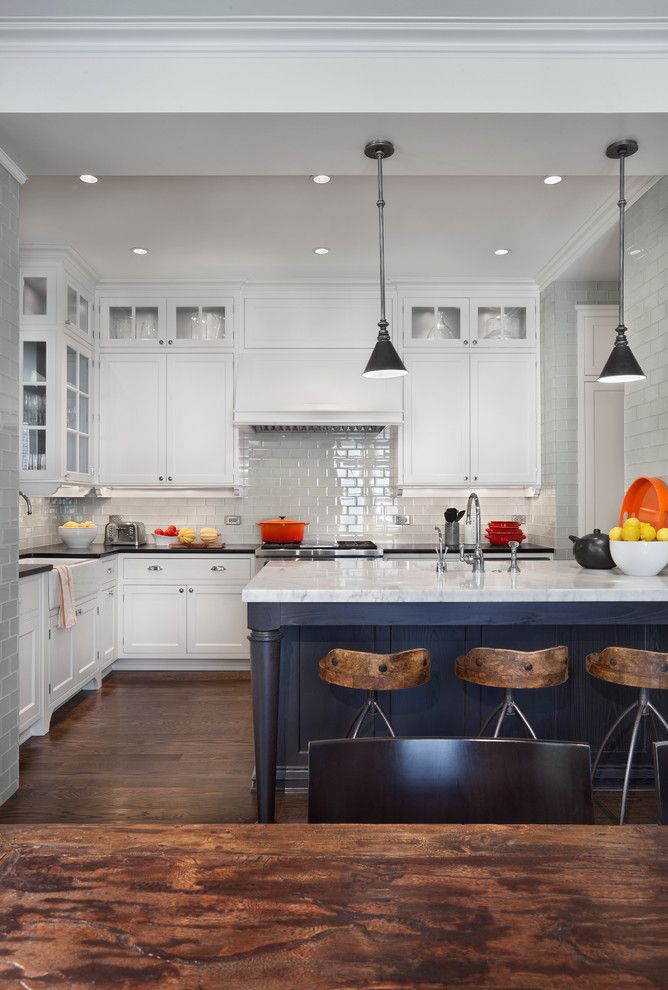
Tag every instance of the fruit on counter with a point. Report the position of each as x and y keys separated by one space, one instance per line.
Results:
x=616 y=533
x=186 y=535
x=662 y=535
x=170 y=530
x=634 y=531
x=88 y=524
x=208 y=534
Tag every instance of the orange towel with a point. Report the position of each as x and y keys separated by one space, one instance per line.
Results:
x=67 y=615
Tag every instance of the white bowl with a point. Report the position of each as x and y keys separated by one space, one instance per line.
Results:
x=164 y=541
x=640 y=559
x=79 y=539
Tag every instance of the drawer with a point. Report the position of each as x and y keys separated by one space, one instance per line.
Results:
x=182 y=568
x=108 y=571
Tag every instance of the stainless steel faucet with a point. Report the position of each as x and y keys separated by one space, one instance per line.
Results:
x=477 y=558
x=28 y=503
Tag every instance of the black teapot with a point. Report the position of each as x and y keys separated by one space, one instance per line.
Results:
x=593 y=550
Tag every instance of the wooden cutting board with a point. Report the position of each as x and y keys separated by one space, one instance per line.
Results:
x=196 y=546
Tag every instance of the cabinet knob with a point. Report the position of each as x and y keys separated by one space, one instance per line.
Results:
x=170 y=342
x=111 y=592
x=160 y=478
x=161 y=341
x=191 y=590
x=475 y=477
x=474 y=343
x=154 y=567
x=181 y=590
x=465 y=343
x=218 y=567
x=466 y=477
x=169 y=478
x=109 y=570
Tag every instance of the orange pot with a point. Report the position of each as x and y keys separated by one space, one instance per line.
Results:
x=647 y=499
x=282 y=530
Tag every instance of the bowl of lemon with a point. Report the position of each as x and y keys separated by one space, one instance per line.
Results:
x=78 y=535
x=638 y=549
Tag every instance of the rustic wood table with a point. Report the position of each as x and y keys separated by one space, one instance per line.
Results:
x=333 y=907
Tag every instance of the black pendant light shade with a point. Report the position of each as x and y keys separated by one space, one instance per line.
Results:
x=384 y=361
x=621 y=366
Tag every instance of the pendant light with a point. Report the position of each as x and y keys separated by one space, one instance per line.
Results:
x=621 y=366
x=384 y=361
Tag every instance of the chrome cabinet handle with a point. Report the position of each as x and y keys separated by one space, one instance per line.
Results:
x=160 y=478
x=191 y=590
x=161 y=341
x=109 y=570
x=154 y=567
x=465 y=343
x=170 y=342
x=475 y=477
x=181 y=590
x=474 y=343
x=466 y=477
x=218 y=567
x=169 y=478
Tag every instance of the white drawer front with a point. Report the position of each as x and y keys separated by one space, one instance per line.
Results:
x=108 y=571
x=184 y=568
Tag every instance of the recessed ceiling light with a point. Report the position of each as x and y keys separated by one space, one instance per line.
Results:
x=139 y=250
x=635 y=251
x=321 y=179
x=552 y=180
x=88 y=178
x=502 y=251
x=321 y=250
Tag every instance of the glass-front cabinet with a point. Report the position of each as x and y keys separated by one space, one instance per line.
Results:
x=503 y=323
x=78 y=310
x=436 y=322
x=38 y=296
x=132 y=322
x=206 y=322
x=78 y=378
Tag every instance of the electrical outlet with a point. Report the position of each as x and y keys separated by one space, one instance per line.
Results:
x=519 y=519
x=233 y=520
x=403 y=520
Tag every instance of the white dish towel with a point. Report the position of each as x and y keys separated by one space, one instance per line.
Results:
x=67 y=615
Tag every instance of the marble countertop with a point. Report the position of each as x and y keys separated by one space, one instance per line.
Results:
x=397 y=580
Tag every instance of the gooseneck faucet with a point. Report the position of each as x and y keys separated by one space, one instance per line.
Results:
x=476 y=559
x=28 y=503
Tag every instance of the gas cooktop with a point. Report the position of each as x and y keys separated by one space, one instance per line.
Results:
x=320 y=551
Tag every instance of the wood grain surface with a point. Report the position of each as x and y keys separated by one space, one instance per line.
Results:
x=333 y=907
x=376 y=671
x=500 y=668
x=633 y=668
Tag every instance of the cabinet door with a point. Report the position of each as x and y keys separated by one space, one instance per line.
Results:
x=39 y=305
x=200 y=322
x=78 y=310
x=154 y=620
x=78 y=376
x=132 y=419
x=504 y=427
x=437 y=428
x=138 y=323
x=503 y=323
x=199 y=419
x=61 y=662
x=83 y=643
x=106 y=627
x=38 y=375
x=29 y=670
x=216 y=623
x=602 y=485
x=599 y=336
x=436 y=322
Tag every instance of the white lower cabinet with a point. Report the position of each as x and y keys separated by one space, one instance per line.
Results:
x=106 y=627
x=83 y=643
x=154 y=620
x=61 y=663
x=216 y=623
x=30 y=651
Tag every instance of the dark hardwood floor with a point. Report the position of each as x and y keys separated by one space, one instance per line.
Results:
x=175 y=748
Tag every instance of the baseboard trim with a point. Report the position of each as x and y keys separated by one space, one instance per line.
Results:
x=176 y=664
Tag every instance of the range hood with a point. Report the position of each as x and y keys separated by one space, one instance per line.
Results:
x=323 y=391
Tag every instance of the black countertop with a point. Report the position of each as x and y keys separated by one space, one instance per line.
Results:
x=98 y=550
x=27 y=570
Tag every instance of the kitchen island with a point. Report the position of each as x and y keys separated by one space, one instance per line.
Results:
x=298 y=610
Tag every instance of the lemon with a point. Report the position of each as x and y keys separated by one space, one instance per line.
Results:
x=617 y=533
x=70 y=525
x=631 y=534
x=647 y=533
x=662 y=535
x=632 y=522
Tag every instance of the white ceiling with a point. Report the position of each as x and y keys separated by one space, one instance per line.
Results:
x=260 y=227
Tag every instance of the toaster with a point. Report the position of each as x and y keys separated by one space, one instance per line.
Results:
x=118 y=532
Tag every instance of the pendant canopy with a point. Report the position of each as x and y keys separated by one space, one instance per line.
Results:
x=621 y=366
x=384 y=361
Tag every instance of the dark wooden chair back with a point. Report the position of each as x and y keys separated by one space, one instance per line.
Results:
x=376 y=671
x=661 y=766
x=514 y=668
x=458 y=781
x=633 y=668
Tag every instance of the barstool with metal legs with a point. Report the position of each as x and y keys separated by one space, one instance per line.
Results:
x=374 y=672
x=512 y=670
x=640 y=669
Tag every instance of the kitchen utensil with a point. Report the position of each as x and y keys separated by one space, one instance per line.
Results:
x=79 y=539
x=593 y=550
x=641 y=559
x=647 y=499
x=282 y=530
x=452 y=534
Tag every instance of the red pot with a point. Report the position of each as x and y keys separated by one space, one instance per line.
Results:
x=282 y=530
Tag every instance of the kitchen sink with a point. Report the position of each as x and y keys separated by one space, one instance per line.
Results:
x=85 y=576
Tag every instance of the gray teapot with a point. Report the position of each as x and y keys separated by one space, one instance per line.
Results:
x=593 y=550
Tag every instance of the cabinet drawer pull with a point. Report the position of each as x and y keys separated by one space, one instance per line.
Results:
x=154 y=567
x=218 y=567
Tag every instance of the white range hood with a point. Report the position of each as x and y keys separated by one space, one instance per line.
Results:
x=319 y=389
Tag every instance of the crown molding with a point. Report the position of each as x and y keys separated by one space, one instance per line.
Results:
x=12 y=167
x=527 y=36
x=592 y=229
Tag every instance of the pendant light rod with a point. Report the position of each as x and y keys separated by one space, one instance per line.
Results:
x=380 y=150
x=621 y=150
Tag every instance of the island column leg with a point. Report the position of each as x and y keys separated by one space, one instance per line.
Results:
x=265 y=660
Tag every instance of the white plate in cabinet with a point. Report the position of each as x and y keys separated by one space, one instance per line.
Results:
x=436 y=322
x=154 y=620
x=133 y=417
x=181 y=567
x=504 y=418
x=216 y=623
x=503 y=323
x=437 y=431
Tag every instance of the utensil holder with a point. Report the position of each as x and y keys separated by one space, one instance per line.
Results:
x=452 y=534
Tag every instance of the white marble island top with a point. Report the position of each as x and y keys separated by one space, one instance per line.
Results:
x=396 y=580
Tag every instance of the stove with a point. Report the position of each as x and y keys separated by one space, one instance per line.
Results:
x=320 y=551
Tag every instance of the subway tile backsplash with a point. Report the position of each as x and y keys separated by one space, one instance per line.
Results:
x=342 y=485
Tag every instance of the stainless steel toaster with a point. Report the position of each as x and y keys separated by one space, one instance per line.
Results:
x=118 y=532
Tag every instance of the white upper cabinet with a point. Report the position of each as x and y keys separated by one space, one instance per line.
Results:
x=195 y=322
x=437 y=431
x=39 y=295
x=437 y=321
x=56 y=292
x=504 y=419
x=133 y=415
x=305 y=317
x=79 y=310
x=199 y=419
x=133 y=322
x=503 y=323
x=78 y=375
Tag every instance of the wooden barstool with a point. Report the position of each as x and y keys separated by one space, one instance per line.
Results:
x=512 y=669
x=373 y=672
x=640 y=669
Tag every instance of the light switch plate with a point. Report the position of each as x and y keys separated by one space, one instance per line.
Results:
x=233 y=520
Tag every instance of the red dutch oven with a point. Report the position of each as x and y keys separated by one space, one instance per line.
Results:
x=282 y=530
